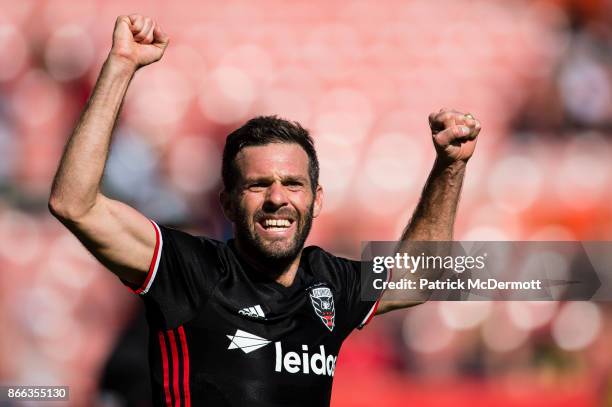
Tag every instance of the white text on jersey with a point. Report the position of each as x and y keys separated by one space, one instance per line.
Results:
x=318 y=363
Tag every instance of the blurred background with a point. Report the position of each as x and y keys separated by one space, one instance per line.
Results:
x=363 y=77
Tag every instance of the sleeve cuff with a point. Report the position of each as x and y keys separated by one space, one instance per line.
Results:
x=372 y=311
x=146 y=285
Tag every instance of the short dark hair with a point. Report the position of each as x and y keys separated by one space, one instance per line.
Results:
x=264 y=130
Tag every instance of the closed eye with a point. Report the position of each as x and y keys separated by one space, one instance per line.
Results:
x=294 y=185
x=258 y=186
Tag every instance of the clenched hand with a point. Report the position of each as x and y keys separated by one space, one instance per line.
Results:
x=454 y=134
x=138 y=40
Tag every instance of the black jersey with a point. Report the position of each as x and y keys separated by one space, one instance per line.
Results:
x=221 y=334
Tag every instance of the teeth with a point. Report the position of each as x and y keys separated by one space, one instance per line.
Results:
x=277 y=222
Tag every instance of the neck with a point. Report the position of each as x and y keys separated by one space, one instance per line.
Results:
x=283 y=272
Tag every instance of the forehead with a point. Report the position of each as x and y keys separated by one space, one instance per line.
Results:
x=275 y=159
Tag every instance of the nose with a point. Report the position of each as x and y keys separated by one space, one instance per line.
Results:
x=276 y=197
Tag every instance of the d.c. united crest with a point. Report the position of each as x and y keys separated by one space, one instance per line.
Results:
x=323 y=304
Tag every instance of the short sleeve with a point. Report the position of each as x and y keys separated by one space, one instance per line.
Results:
x=362 y=294
x=181 y=277
x=359 y=293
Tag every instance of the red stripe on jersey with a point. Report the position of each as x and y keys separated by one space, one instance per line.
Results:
x=164 y=355
x=376 y=304
x=175 y=371
x=372 y=312
x=185 y=351
x=153 y=261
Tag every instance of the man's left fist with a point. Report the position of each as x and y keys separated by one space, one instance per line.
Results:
x=454 y=134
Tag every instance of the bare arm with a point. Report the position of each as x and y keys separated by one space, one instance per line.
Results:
x=454 y=136
x=116 y=234
x=434 y=216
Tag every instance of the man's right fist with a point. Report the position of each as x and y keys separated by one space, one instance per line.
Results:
x=138 y=40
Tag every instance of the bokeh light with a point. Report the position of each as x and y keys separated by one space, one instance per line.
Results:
x=69 y=52
x=577 y=325
x=362 y=77
x=14 y=51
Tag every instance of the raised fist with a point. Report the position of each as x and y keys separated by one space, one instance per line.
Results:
x=138 y=40
x=454 y=134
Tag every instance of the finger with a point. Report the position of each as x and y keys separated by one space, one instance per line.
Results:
x=432 y=117
x=435 y=125
x=142 y=34
x=449 y=119
x=148 y=39
x=440 y=121
x=450 y=115
x=123 y=19
x=455 y=134
x=159 y=36
x=470 y=122
x=477 y=128
x=136 y=23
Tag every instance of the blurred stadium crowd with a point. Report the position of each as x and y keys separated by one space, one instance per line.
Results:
x=363 y=77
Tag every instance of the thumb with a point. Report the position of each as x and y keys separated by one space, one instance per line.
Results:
x=453 y=133
x=123 y=29
x=123 y=22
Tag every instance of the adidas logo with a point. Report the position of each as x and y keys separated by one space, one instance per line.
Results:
x=246 y=342
x=253 y=312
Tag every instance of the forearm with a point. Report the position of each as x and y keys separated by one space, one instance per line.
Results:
x=78 y=177
x=454 y=137
x=433 y=220
x=434 y=216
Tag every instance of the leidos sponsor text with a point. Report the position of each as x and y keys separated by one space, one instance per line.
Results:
x=317 y=363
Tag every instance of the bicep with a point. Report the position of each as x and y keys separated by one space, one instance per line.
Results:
x=119 y=236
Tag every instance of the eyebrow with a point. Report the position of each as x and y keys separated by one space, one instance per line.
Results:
x=287 y=178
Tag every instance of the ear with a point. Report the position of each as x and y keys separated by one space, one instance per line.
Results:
x=318 y=201
x=225 y=198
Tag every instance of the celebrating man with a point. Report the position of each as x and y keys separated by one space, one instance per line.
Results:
x=259 y=320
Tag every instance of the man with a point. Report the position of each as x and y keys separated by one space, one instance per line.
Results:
x=259 y=320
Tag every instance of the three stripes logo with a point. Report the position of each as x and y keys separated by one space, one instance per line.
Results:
x=253 y=312
x=246 y=342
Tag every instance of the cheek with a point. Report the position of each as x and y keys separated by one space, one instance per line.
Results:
x=302 y=201
x=250 y=203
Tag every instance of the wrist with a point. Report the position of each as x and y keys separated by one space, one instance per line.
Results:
x=453 y=166
x=119 y=65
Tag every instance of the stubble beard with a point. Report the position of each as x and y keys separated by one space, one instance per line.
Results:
x=273 y=255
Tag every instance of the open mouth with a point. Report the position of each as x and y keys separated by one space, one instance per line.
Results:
x=276 y=224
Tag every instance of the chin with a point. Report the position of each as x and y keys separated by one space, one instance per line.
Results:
x=280 y=249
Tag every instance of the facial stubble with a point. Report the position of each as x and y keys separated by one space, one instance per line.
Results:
x=269 y=254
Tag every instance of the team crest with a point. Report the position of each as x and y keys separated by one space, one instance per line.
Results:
x=323 y=304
